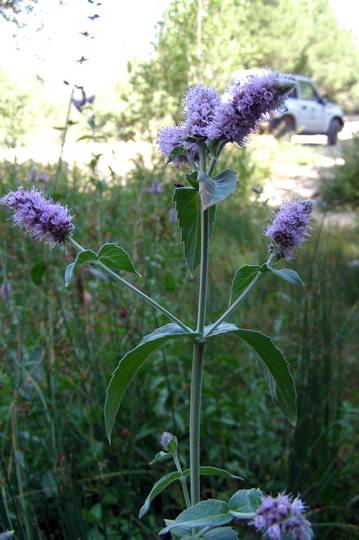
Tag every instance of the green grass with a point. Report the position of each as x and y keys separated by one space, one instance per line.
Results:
x=59 y=479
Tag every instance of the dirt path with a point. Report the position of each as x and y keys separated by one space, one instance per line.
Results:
x=300 y=164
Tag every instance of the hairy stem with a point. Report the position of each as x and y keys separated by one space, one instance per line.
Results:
x=132 y=288
x=198 y=348
x=183 y=481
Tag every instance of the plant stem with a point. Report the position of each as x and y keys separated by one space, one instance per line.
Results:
x=198 y=348
x=132 y=288
x=182 y=480
x=239 y=300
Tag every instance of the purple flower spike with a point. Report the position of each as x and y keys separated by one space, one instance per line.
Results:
x=199 y=106
x=289 y=228
x=282 y=516
x=39 y=215
x=246 y=103
x=170 y=137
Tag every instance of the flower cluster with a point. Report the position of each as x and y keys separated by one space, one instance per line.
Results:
x=245 y=104
x=39 y=215
x=289 y=228
x=230 y=118
x=283 y=516
x=199 y=106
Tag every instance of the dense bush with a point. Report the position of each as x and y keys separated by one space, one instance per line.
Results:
x=341 y=189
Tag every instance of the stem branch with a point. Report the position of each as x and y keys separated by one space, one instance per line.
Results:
x=134 y=289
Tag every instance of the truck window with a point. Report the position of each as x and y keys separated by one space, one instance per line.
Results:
x=307 y=91
x=293 y=94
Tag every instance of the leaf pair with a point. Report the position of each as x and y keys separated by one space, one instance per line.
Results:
x=111 y=255
x=280 y=379
x=247 y=273
x=215 y=513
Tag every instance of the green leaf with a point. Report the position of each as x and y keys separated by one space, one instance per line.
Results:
x=193 y=179
x=176 y=152
x=161 y=456
x=213 y=471
x=221 y=533
x=244 y=503
x=188 y=206
x=83 y=257
x=111 y=255
x=38 y=272
x=242 y=278
x=288 y=275
x=115 y=258
x=280 y=380
x=131 y=363
x=210 y=513
x=215 y=190
x=158 y=487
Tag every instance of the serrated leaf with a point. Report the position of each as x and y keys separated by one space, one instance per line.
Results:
x=131 y=362
x=287 y=274
x=221 y=533
x=242 y=278
x=210 y=513
x=215 y=190
x=83 y=257
x=116 y=258
x=279 y=377
x=245 y=502
x=188 y=207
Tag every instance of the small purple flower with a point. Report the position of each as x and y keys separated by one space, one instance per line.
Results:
x=166 y=439
x=32 y=175
x=43 y=178
x=155 y=188
x=172 y=215
x=79 y=104
x=245 y=104
x=39 y=215
x=200 y=103
x=282 y=515
x=5 y=290
x=170 y=137
x=289 y=228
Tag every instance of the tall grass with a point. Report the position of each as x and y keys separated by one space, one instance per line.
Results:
x=59 y=478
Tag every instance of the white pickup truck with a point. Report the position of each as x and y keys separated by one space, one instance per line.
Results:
x=307 y=112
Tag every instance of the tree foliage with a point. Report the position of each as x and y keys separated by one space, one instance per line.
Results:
x=209 y=40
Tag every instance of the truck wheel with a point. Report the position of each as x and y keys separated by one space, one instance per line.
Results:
x=334 y=128
x=285 y=128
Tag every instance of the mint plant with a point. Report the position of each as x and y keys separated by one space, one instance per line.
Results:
x=211 y=122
